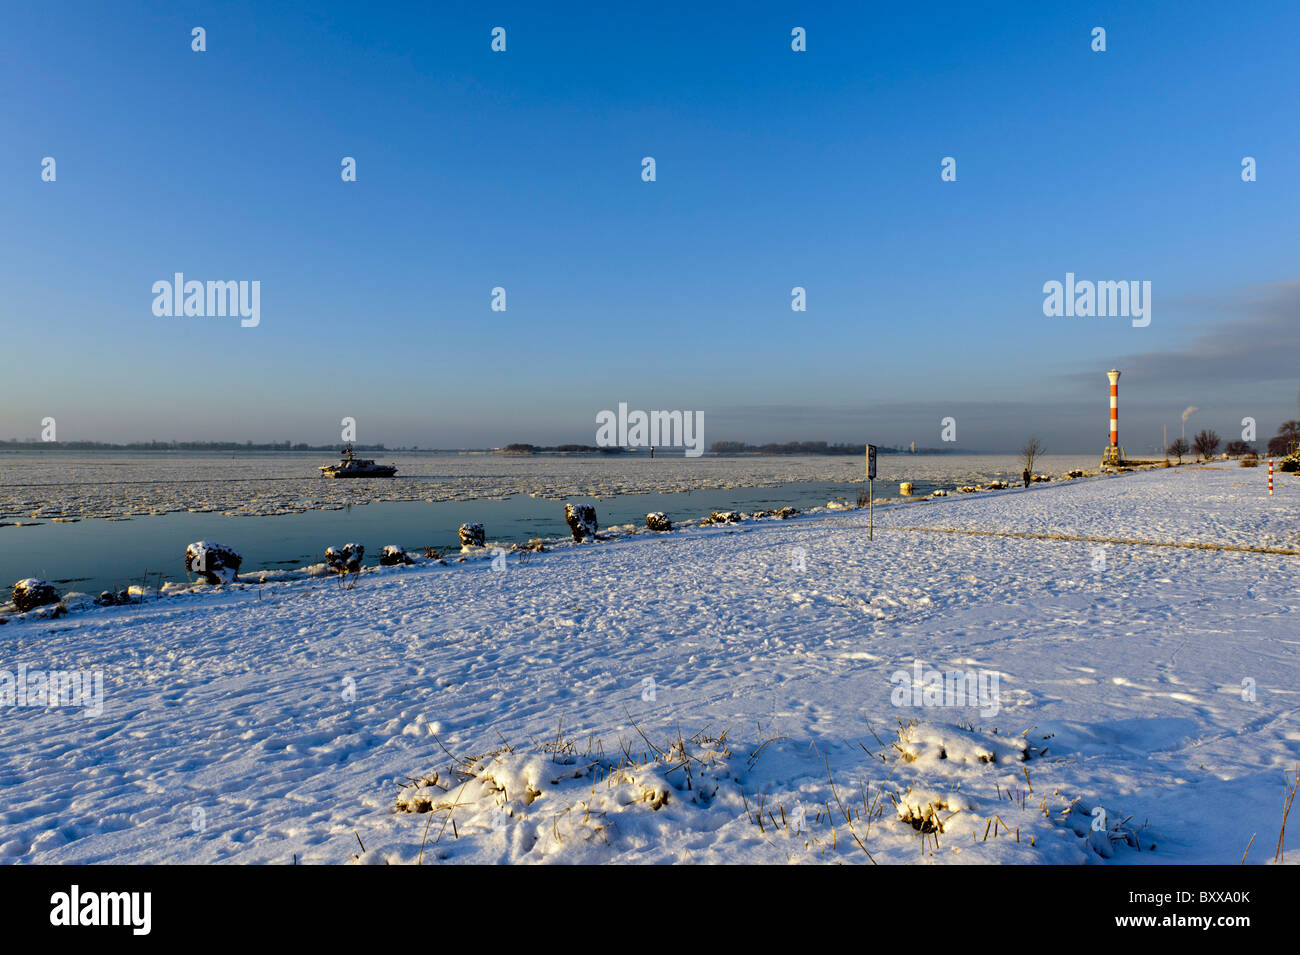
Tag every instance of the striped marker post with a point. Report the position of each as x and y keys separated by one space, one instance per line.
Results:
x=1270 y=477
x=1112 y=457
x=1113 y=375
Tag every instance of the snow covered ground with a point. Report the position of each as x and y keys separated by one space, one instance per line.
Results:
x=742 y=692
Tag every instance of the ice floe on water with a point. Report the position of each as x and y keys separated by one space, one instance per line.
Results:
x=64 y=486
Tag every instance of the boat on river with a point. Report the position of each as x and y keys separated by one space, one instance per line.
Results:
x=351 y=466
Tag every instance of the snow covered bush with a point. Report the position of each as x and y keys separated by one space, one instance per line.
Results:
x=392 y=555
x=658 y=521
x=722 y=517
x=471 y=535
x=215 y=563
x=581 y=519
x=345 y=559
x=32 y=592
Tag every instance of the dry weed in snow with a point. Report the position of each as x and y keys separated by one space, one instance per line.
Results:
x=550 y=797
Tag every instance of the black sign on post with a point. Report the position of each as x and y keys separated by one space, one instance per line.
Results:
x=871 y=492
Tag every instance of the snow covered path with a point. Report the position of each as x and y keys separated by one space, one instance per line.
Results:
x=256 y=725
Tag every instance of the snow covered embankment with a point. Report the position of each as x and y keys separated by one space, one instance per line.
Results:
x=262 y=724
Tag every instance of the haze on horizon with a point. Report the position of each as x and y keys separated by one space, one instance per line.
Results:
x=522 y=170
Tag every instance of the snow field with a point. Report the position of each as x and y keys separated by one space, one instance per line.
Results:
x=574 y=690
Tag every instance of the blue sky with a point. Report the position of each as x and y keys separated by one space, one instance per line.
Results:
x=522 y=169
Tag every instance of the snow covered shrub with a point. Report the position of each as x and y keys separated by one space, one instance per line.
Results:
x=658 y=521
x=31 y=592
x=471 y=535
x=926 y=811
x=215 y=563
x=392 y=556
x=345 y=559
x=722 y=517
x=556 y=799
x=581 y=519
x=965 y=789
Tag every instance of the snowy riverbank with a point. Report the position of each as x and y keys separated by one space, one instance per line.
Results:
x=1156 y=685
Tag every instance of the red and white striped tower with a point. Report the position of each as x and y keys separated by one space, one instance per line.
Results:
x=1270 y=477
x=1113 y=375
x=1112 y=455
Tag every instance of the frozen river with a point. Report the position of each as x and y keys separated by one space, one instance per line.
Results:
x=98 y=520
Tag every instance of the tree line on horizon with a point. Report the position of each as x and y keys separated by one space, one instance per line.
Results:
x=728 y=447
x=521 y=448
x=1285 y=444
x=28 y=445
x=806 y=447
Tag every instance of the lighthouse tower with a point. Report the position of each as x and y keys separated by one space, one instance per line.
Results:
x=1113 y=456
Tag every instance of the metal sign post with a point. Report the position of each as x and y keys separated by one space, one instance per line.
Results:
x=871 y=492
